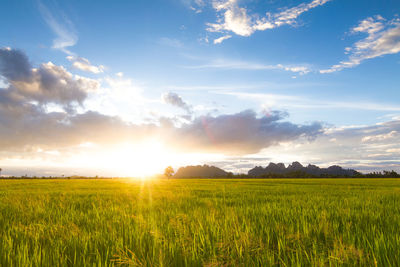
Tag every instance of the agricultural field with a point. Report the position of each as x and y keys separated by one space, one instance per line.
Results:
x=200 y=222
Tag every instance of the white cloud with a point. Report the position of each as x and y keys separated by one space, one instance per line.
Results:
x=84 y=64
x=297 y=69
x=195 y=5
x=290 y=15
x=379 y=137
x=383 y=38
x=393 y=150
x=233 y=18
x=221 y=39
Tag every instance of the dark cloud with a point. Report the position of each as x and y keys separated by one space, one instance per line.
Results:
x=242 y=133
x=59 y=86
x=28 y=126
x=47 y=84
x=14 y=65
x=177 y=101
x=25 y=123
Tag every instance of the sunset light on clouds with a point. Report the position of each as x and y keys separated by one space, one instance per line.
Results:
x=128 y=88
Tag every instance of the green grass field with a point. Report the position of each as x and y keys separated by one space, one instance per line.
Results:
x=296 y=222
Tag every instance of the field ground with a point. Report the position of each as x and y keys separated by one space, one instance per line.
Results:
x=283 y=222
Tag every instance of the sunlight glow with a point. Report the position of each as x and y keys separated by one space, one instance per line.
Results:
x=144 y=159
x=139 y=160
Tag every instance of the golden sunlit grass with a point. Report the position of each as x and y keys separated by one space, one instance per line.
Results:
x=130 y=222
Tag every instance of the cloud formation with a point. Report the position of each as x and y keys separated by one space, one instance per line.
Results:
x=364 y=148
x=25 y=122
x=241 y=133
x=177 y=101
x=26 y=125
x=369 y=148
x=195 y=5
x=233 y=18
x=379 y=137
x=383 y=38
x=14 y=65
x=85 y=65
x=66 y=37
x=65 y=32
x=221 y=39
x=46 y=84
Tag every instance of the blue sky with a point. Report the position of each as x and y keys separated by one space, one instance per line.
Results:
x=333 y=65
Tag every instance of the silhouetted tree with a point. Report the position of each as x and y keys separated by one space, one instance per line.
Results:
x=169 y=171
x=0 y=170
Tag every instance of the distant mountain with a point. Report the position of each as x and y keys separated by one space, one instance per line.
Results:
x=199 y=171
x=296 y=167
x=294 y=170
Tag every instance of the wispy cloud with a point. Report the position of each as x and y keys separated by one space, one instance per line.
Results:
x=195 y=5
x=85 y=65
x=66 y=37
x=383 y=38
x=243 y=65
x=233 y=18
x=380 y=137
x=172 y=42
x=62 y=28
x=229 y=87
x=273 y=100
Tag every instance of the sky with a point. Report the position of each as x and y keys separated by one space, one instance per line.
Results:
x=126 y=88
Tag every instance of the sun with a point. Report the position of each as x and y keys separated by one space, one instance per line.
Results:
x=139 y=160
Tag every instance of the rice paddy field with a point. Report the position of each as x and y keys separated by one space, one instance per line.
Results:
x=200 y=222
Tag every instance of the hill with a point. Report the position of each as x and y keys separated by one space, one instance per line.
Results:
x=200 y=171
x=297 y=168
